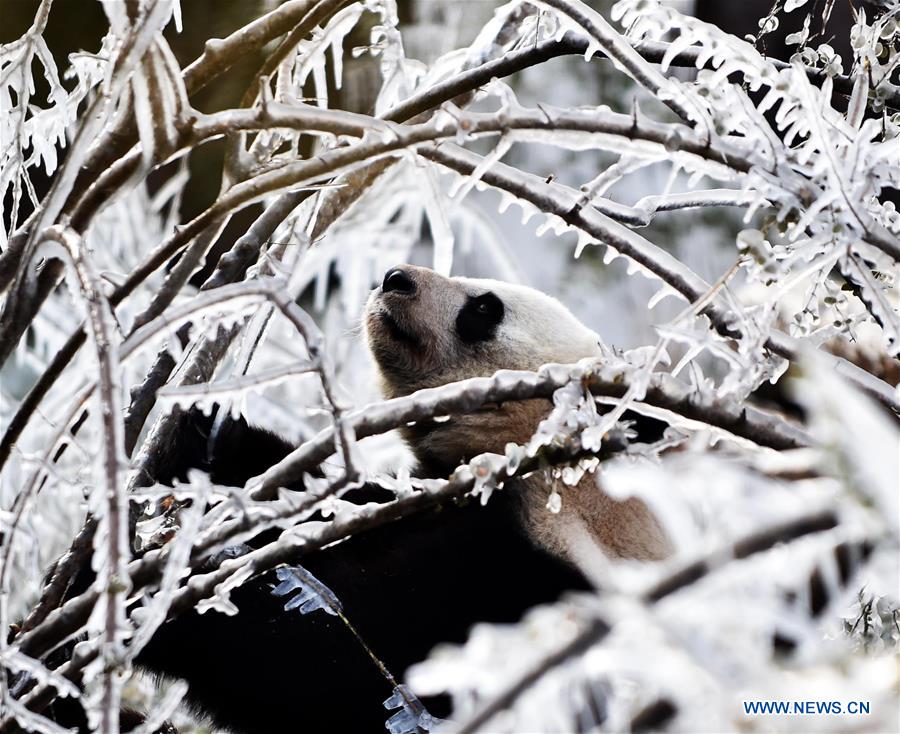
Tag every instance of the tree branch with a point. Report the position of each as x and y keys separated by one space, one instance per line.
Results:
x=113 y=521
x=466 y=396
x=24 y=299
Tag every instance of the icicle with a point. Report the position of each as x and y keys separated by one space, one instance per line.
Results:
x=584 y=239
x=593 y=48
x=505 y=200
x=412 y=717
x=663 y=292
x=221 y=598
x=337 y=56
x=514 y=455
x=484 y=468
x=611 y=254
x=554 y=502
x=439 y=224
x=462 y=186
x=528 y=212
x=313 y=594
x=553 y=223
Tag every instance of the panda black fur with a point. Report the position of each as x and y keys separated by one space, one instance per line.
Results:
x=414 y=583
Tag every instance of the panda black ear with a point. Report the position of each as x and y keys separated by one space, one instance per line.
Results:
x=477 y=321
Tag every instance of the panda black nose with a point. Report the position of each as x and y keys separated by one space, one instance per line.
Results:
x=398 y=280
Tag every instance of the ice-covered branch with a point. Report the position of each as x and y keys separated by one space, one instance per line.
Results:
x=652 y=205
x=622 y=54
x=692 y=571
x=270 y=116
x=21 y=307
x=212 y=391
x=318 y=12
x=219 y=54
x=297 y=543
x=570 y=208
x=398 y=138
x=204 y=359
x=25 y=297
x=338 y=211
x=257 y=234
x=594 y=631
x=663 y=391
x=66 y=566
x=620 y=128
x=198 y=366
x=204 y=363
x=62 y=573
x=69 y=618
x=393 y=140
x=575 y=45
x=111 y=507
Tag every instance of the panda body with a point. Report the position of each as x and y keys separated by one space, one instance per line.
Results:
x=404 y=587
x=420 y=581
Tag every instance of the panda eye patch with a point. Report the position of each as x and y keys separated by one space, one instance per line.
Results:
x=477 y=321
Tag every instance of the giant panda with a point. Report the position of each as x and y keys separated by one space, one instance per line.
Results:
x=423 y=580
x=426 y=330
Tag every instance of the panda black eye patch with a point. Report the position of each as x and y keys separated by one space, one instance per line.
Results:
x=477 y=321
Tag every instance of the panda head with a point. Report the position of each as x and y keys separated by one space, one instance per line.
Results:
x=426 y=330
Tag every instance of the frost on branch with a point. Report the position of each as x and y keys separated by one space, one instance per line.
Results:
x=32 y=133
x=874 y=623
x=825 y=173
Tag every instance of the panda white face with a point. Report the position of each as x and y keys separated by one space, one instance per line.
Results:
x=426 y=330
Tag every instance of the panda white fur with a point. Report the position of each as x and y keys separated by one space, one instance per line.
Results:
x=420 y=581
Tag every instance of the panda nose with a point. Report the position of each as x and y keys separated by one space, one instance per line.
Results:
x=397 y=280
